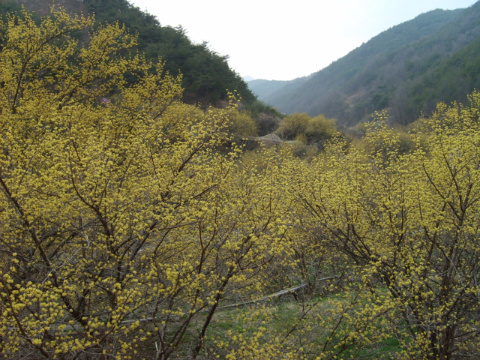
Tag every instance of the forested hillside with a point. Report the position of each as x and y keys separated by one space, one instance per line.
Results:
x=406 y=69
x=206 y=74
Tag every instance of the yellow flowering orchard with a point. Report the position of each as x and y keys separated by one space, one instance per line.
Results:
x=128 y=219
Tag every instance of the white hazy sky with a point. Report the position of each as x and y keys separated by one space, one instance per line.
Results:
x=283 y=40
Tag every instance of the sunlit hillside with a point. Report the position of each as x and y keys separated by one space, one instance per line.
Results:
x=406 y=69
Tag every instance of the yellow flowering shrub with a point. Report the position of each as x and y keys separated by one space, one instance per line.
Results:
x=124 y=221
x=409 y=223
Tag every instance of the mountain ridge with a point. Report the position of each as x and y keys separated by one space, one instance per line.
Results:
x=383 y=72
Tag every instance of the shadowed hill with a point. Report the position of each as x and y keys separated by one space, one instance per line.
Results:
x=206 y=74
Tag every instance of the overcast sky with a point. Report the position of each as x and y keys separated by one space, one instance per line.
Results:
x=283 y=40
